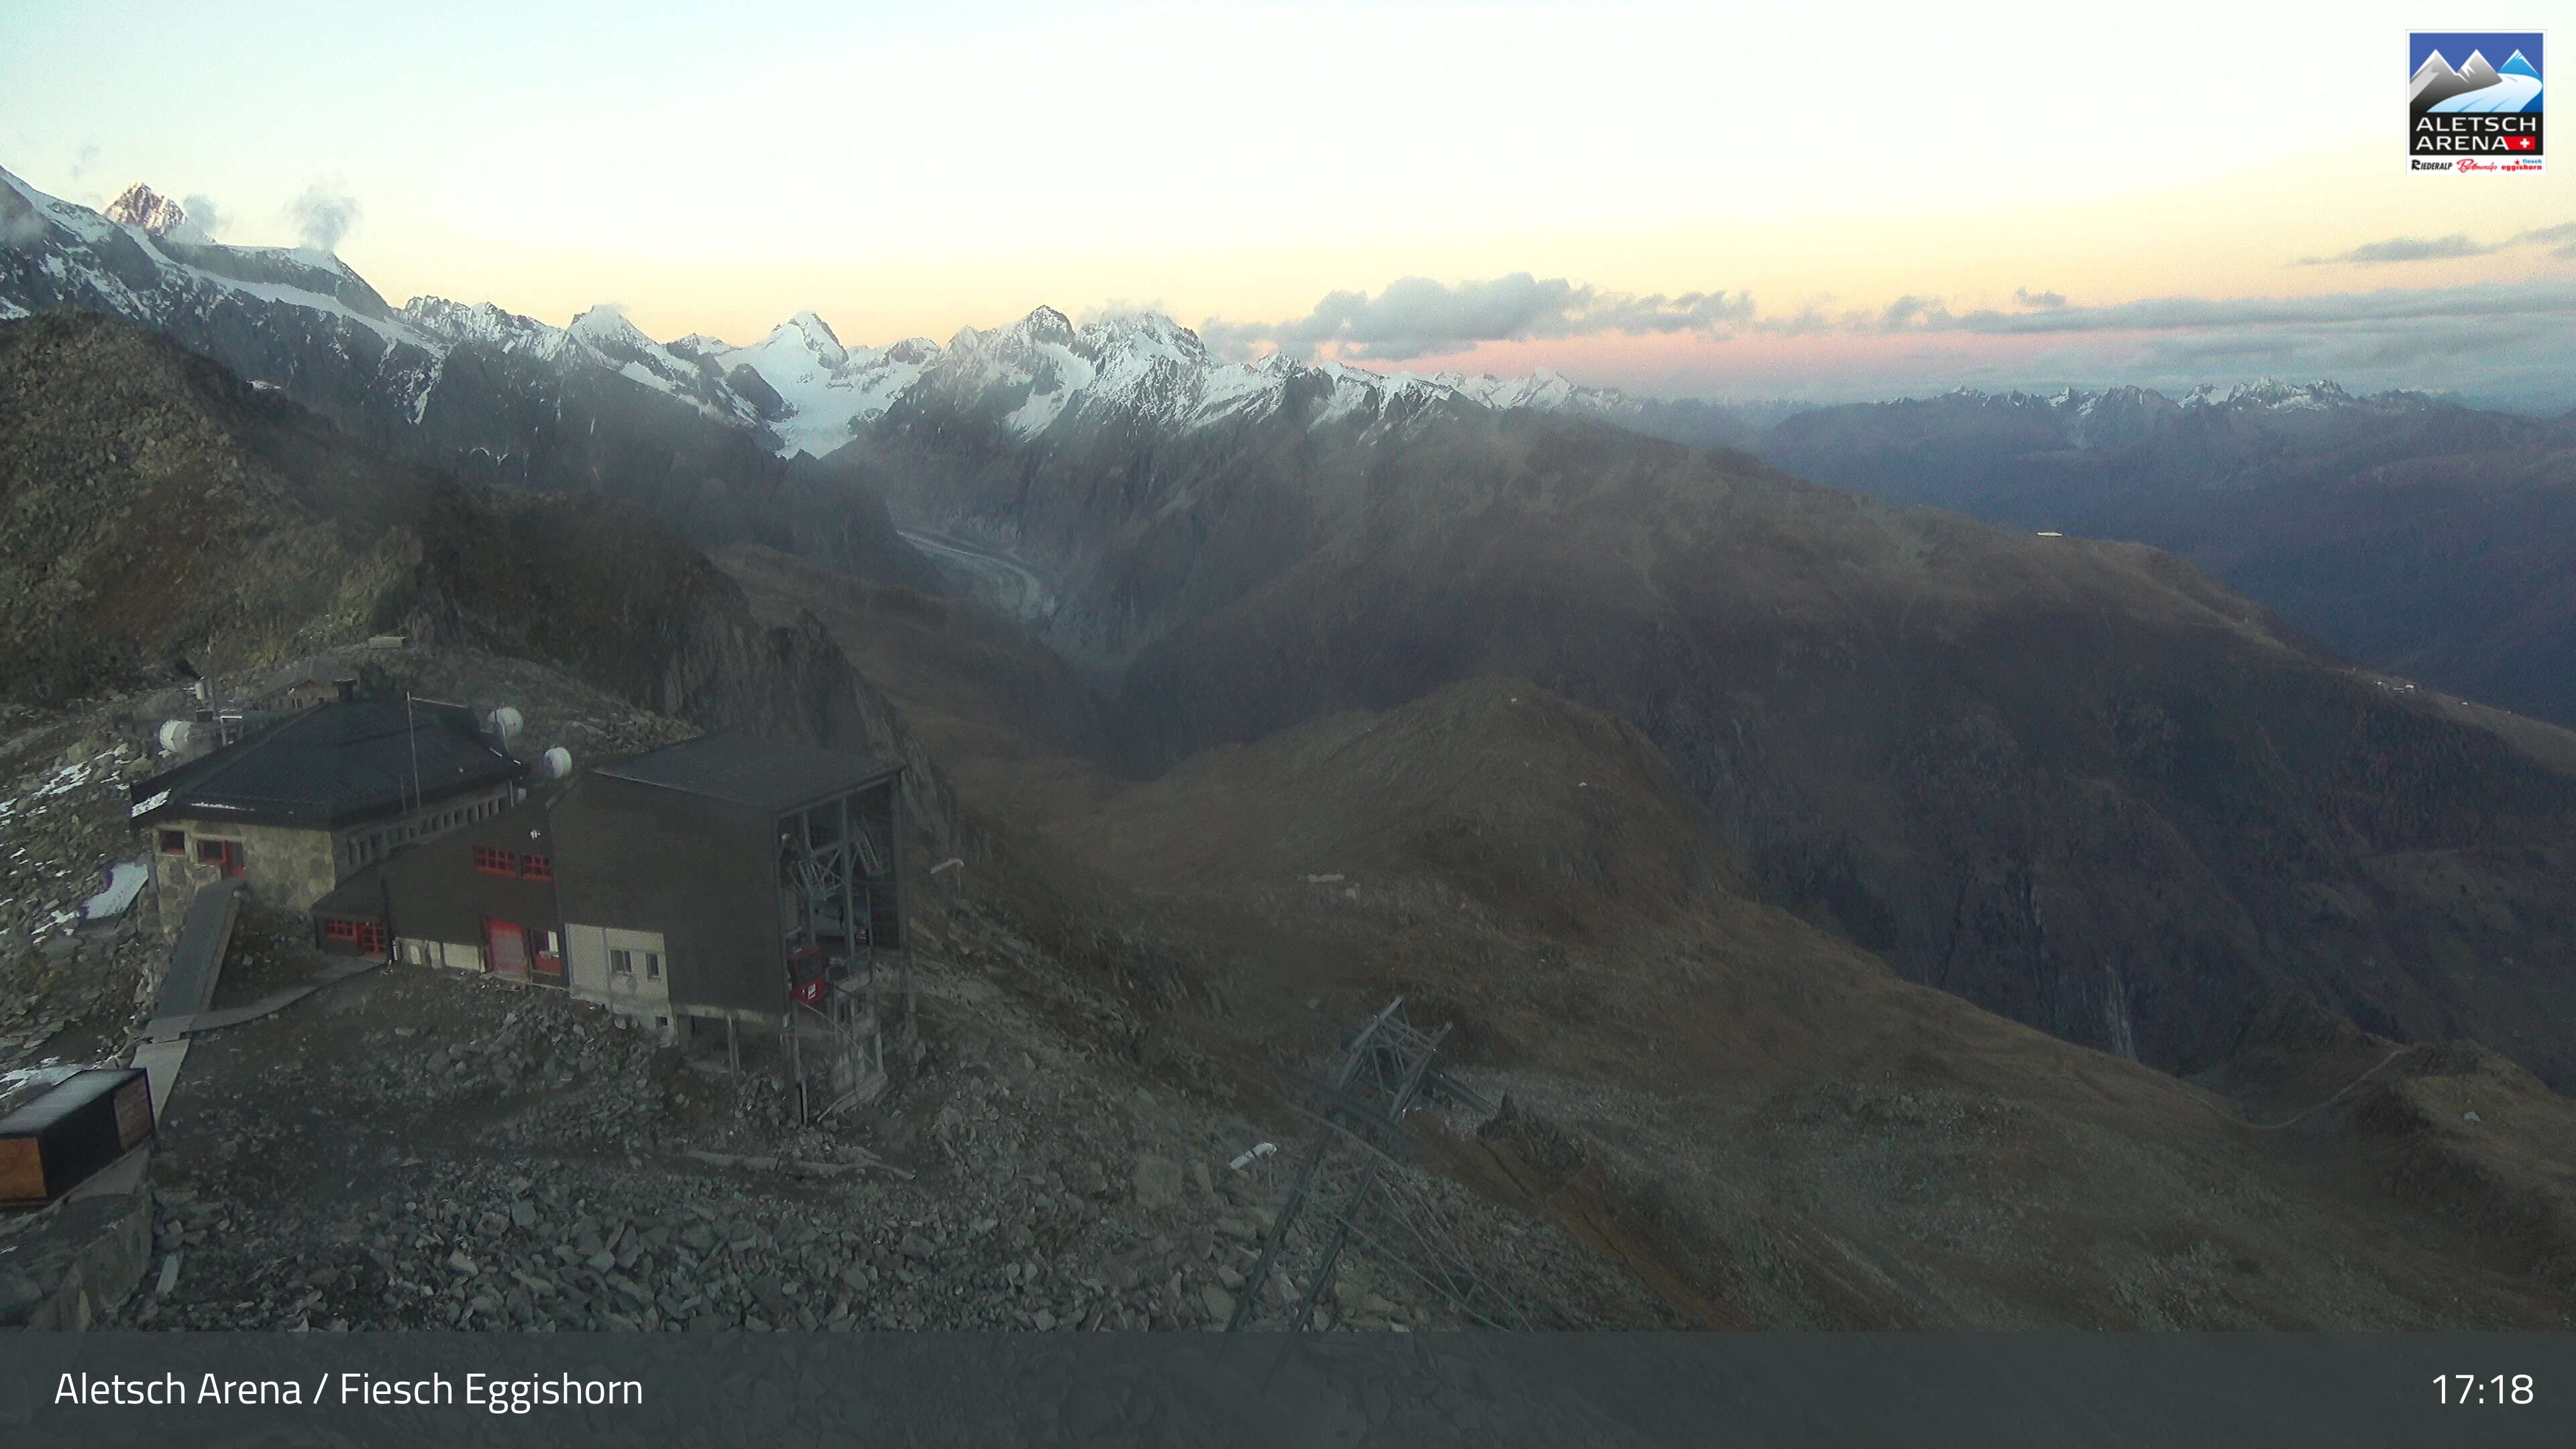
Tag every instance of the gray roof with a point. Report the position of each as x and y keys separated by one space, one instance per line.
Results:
x=64 y=1098
x=764 y=774
x=333 y=764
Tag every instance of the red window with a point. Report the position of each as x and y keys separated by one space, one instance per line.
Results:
x=537 y=867
x=495 y=860
x=174 y=842
x=366 y=935
x=225 y=855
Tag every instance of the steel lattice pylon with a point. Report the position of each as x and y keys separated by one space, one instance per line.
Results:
x=1352 y=1189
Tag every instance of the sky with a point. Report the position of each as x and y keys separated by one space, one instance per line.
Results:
x=1749 y=201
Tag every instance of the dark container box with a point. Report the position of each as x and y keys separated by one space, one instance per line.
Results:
x=60 y=1140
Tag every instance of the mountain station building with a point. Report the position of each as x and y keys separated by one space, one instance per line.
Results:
x=717 y=886
x=308 y=800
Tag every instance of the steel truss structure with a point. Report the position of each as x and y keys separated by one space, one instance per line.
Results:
x=836 y=1014
x=1353 y=1188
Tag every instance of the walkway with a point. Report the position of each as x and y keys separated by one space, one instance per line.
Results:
x=197 y=961
x=188 y=992
x=277 y=1001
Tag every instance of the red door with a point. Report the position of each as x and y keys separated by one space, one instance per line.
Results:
x=505 y=949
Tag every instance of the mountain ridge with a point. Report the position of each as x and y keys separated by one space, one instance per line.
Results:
x=1248 y=546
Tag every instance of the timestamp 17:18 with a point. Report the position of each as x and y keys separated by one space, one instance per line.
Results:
x=2483 y=1388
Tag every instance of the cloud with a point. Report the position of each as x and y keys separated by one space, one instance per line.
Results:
x=1418 y=317
x=1811 y=319
x=19 y=224
x=2503 y=339
x=2407 y=249
x=323 y=214
x=2491 y=339
x=1909 y=311
x=83 y=159
x=201 y=209
x=2153 y=314
x=2441 y=248
x=1117 y=308
x=2564 y=233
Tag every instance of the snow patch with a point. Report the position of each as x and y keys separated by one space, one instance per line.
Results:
x=124 y=882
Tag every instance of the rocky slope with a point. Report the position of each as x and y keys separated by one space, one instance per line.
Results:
x=2077 y=783
x=154 y=506
x=1759 y=1119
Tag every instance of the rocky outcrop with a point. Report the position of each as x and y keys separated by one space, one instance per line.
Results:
x=140 y=205
x=160 y=507
x=77 y=1260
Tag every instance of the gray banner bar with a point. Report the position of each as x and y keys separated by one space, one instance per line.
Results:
x=1338 y=1390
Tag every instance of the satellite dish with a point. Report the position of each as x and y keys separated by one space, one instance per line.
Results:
x=505 y=723
x=556 y=764
x=175 y=735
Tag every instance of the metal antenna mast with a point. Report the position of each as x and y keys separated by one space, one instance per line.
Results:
x=1351 y=1188
x=411 y=736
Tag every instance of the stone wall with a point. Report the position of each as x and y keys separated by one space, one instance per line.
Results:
x=290 y=868
x=286 y=868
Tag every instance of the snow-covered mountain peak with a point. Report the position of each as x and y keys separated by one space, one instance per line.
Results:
x=1044 y=326
x=606 y=327
x=815 y=335
x=459 y=323
x=2273 y=394
x=141 y=207
x=1545 y=389
x=1149 y=336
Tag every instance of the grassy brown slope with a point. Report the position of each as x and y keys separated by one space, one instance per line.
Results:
x=139 y=518
x=1764 y=1123
x=1017 y=730
x=2075 y=782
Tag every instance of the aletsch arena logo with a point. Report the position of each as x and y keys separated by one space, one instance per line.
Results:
x=2473 y=100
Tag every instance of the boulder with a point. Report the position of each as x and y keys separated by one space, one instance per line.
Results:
x=1157 y=1182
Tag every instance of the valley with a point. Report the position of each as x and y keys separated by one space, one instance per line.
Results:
x=1860 y=916
x=2414 y=533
